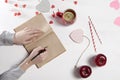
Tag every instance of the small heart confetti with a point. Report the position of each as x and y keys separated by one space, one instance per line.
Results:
x=6 y=1
x=24 y=5
x=75 y=2
x=15 y=14
x=51 y=22
x=16 y=5
x=52 y=6
x=36 y=12
x=19 y=13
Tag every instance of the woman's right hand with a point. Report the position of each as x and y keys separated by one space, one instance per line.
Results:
x=29 y=62
x=39 y=58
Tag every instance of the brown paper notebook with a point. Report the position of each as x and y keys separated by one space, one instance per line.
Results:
x=47 y=39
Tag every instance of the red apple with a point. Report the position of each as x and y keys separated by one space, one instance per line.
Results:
x=85 y=71
x=100 y=60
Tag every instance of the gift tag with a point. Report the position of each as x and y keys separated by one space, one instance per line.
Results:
x=77 y=36
x=43 y=6
x=115 y=4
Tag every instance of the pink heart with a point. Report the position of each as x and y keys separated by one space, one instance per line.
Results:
x=77 y=35
x=115 y=4
x=117 y=21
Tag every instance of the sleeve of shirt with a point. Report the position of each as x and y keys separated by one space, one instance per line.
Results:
x=13 y=74
x=6 y=38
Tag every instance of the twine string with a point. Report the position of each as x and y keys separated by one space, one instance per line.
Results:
x=83 y=50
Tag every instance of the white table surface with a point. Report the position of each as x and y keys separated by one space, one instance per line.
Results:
x=62 y=67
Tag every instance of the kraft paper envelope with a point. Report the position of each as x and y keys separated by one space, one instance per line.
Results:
x=47 y=39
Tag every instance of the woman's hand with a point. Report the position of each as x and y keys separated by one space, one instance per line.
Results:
x=26 y=35
x=41 y=57
x=29 y=62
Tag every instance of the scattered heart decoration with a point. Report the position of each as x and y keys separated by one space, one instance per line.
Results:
x=117 y=21
x=115 y=4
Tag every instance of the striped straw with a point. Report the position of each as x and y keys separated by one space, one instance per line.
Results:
x=94 y=45
x=94 y=29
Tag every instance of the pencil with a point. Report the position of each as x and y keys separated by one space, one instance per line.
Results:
x=41 y=51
